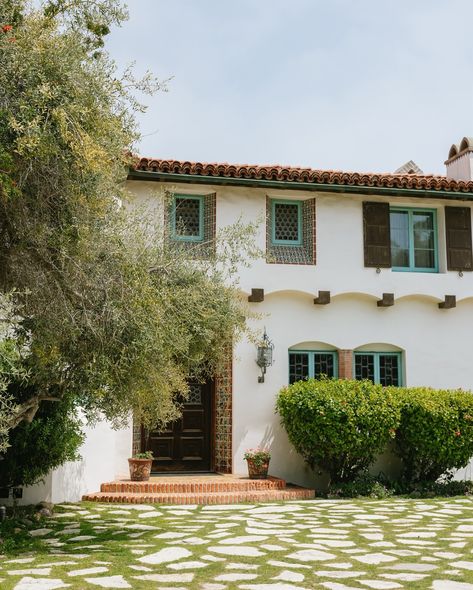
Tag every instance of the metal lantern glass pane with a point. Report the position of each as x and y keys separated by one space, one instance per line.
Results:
x=265 y=356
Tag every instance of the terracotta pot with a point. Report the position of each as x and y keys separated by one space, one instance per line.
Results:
x=257 y=471
x=140 y=469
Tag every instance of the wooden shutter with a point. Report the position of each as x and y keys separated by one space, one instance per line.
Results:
x=458 y=230
x=377 y=235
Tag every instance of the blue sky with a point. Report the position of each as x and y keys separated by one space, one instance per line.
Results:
x=335 y=84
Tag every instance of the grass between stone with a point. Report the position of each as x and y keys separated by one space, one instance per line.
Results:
x=334 y=544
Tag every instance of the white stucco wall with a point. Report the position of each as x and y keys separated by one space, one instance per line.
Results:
x=436 y=344
x=104 y=456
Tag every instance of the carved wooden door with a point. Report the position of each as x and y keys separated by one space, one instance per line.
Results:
x=185 y=445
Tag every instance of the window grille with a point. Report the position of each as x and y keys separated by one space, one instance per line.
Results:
x=195 y=395
x=188 y=212
x=312 y=364
x=287 y=222
x=379 y=367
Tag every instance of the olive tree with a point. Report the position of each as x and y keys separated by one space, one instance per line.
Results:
x=103 y=310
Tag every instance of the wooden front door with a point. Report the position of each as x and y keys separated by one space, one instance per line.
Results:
x=185 y=444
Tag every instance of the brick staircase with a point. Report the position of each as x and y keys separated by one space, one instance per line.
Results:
x=199 y=489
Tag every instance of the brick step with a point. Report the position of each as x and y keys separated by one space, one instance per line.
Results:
x=193 y=486
x=203 y=498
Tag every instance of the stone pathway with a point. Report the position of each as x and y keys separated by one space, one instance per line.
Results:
x=326 y=544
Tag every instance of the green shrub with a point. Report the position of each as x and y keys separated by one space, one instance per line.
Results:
x=339 y=425
x=50 y=440
x=365 y=485
x=370 y=486
x=435 y=434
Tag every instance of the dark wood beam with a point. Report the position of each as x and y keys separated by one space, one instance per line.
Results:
x=257 y=296
x=323 y=298
x=449 y=303
x=387 y=300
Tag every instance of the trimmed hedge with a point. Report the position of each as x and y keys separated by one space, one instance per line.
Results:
x=435 y=434
x=339 y=425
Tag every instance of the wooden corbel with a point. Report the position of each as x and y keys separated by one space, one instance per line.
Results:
x=386 y=301
x=449 y=303
x=257 y=296
x=323 y=298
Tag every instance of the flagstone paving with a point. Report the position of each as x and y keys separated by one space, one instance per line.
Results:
x=332 y=544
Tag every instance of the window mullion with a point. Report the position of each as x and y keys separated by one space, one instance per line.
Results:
x=376 y=367
x=273 y=222
x=299 y=223
x=311 y=365
x=411 y=241
x=201 y=218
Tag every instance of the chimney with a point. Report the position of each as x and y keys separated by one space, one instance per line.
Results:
x=460 y=160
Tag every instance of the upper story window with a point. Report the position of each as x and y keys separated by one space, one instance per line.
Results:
x=379 y=367
x=190 y=223
x=290 y=231
x=312 y=364
x=413 y=239
x=188 y=218
x=286 y=222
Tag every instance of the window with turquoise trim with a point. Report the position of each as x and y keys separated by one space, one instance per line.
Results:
x=312 y=364
x=188 y=218
x=414 y=239
x=286 y=222
x=379 y=367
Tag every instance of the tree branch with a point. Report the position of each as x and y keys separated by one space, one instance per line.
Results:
x=26 y=411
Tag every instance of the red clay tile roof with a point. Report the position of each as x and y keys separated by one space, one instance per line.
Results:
x=304 y=175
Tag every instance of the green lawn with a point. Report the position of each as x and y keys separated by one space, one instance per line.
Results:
x=333 y=544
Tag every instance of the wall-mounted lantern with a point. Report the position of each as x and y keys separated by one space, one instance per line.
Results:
x=264 y=358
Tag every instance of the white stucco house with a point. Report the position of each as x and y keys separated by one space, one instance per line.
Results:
x=365 y=275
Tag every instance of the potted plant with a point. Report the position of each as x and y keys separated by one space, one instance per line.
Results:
x=140 y=466
x=258 y=463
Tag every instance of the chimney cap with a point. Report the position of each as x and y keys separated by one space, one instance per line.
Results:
x=457 y=150
x=454 y=150
x=466 y=143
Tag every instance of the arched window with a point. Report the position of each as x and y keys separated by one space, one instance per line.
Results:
x=311 y=360
x=380 y=363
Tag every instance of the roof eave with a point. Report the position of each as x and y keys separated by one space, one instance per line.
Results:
x=294 y=185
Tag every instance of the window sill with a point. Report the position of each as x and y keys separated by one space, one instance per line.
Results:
x=421 y=270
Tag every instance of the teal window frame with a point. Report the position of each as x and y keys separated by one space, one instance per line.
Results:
x=377 y=371
x=276 y=242
x=183 y=238
x=412 y=268
x=311 y=354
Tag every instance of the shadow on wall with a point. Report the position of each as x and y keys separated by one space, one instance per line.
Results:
x=286 y=461
x=68 y=482
x=388 y=463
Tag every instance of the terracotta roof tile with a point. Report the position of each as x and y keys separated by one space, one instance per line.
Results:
x=304 y=175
